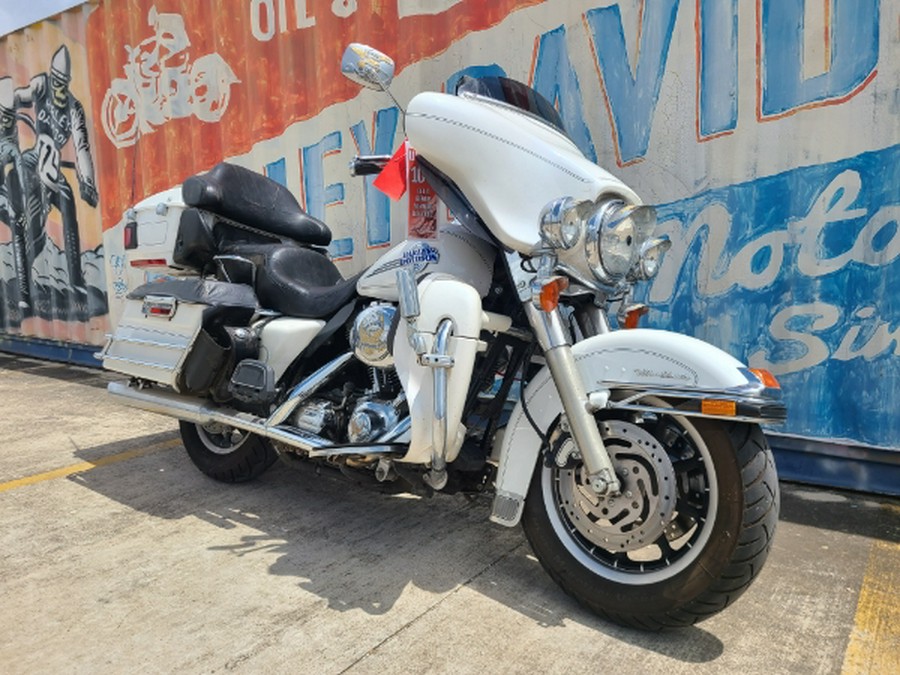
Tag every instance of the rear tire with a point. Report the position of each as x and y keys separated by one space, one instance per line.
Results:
x=683 y=568
x=227 y=454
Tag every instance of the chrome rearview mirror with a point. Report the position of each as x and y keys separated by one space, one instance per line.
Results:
x=367 y=66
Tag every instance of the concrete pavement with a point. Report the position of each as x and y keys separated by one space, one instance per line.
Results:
x=117 y=555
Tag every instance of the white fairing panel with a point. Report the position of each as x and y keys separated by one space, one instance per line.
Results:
x=456 y=251
x=508 y=164
x=441 y=297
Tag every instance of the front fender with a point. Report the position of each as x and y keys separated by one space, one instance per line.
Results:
x=637 y=361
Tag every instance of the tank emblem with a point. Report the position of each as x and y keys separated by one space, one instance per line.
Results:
x=420 y=256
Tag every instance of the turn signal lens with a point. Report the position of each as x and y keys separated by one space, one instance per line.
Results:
x=766 y=378
x=714 y=406
x=633 y=315
x=549 y=296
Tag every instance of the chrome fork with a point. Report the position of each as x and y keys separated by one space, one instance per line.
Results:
x=553 y=338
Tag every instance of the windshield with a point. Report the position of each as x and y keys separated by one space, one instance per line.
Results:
x=512 y=93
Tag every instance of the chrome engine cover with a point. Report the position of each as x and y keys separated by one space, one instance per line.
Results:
x=370 y=419
x=369 y=335
x=314 y=416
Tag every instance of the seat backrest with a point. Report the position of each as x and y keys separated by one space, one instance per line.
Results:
x=250 y=198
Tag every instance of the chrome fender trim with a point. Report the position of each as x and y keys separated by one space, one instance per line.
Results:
x=639 y=362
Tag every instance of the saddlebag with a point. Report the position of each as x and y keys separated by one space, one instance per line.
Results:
x=176 y=332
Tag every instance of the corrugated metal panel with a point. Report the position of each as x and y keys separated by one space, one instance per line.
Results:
x=52 y=285
x=769 y=130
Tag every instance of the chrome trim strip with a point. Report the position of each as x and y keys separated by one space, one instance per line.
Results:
x=136 y=362
x=749 y=395
x=151 y=343
x=692 y=413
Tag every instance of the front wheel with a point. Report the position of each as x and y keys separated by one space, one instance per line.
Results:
x=686 y=536
x=225 y=453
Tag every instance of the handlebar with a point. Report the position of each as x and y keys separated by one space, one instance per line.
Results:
x=367 y=165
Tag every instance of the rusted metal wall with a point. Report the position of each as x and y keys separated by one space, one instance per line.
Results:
x=769 y=130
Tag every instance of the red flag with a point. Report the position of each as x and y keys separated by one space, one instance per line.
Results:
x=392 y=179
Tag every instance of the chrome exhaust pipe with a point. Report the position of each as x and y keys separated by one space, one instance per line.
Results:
x=201 y=411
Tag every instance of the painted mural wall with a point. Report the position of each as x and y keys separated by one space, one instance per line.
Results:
x=767 y=130
x=52 y=282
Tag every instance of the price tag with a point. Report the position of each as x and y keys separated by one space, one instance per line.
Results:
x=423 y=202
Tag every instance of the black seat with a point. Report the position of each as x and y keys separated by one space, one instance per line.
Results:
x=252 y=199
x=293 y=280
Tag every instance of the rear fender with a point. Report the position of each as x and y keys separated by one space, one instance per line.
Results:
x=632 y=364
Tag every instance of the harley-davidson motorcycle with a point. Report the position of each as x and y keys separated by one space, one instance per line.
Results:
x=500 y=358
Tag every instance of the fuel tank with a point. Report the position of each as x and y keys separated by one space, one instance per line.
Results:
x=456 y=252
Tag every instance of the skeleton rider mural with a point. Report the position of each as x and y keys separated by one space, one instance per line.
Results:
x=12 y=189
x=58 y=117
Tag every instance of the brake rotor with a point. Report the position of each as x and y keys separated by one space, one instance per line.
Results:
x=633 y=519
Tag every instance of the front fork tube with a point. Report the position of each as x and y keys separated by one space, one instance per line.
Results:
x=553 y=340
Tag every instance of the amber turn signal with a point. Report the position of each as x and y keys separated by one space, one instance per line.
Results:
x=634 y=314
x=766 y=378
x=549 y=296
x=714 y=406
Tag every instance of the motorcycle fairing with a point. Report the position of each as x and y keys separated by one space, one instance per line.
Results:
x=476 y=141
x=635 y=362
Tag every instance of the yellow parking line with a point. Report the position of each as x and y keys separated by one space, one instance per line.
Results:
x=875 y=640
x=87 y=466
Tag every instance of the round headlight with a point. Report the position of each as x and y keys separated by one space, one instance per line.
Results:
x=614 y=235
x=561 y=223
x=651 y=256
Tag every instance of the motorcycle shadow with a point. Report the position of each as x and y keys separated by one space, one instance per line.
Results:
x=359 y=549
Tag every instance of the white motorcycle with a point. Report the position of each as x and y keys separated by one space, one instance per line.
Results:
x=484 y=361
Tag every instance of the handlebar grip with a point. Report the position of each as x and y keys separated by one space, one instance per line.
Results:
x=367 y=165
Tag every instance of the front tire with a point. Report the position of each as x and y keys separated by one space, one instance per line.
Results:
x=690 y=536
x=227 y=454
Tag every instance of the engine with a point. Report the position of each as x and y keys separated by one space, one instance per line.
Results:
x=355 y=415
x=371 y=400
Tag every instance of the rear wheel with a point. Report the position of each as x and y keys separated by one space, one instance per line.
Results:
x=225 y=453
x=687 y=535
